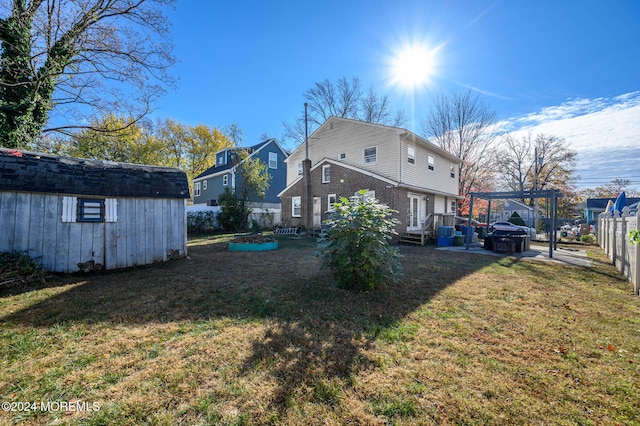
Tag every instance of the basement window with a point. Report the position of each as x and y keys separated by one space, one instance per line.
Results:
x=90 y=210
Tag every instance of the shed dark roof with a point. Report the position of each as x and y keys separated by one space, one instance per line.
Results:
x=32 y=172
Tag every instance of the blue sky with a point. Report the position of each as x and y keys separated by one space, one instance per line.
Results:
x=562 y=67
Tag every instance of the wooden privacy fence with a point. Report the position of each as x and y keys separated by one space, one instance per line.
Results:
x=613 y=237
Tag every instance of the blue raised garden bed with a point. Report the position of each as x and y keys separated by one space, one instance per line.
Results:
x=269 y=245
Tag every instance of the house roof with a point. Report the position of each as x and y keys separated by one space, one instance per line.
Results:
x=368 y=173
x=33 y=172
x=252 y=150
x=403 y=133
x=599 y=204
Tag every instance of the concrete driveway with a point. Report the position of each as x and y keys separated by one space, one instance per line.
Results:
x=568 y=256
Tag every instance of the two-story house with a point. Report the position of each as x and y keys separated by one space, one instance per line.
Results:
x=209 y=185
x=399 y=168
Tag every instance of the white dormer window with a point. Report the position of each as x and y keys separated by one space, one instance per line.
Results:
x=411 y=154
x=273 y=160
x=370 y=155
x=432 y=162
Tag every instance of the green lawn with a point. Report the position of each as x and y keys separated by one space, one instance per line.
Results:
x=267 y=338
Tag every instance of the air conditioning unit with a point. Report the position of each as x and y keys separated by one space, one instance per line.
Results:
x=212 y=202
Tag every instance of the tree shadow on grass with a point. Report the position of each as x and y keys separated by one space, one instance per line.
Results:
x=313 y=331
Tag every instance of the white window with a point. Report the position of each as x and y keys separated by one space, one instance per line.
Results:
x=76 y=209
x=225 y=180
x=370 y=155
x=299 y=169
x=204 y=185
x=196 y=189
x=326 y=173
x=331 y=200
x=90 y=210
x=453 y=171
x=366 y=195
x=343 y=156
x=432 y=162
x=453 y=206
x=273 y=160
x=296 y=206
x=411 y=154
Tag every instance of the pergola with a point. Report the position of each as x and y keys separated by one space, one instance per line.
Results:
x=551 y=194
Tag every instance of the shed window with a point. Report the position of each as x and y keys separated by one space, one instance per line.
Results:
x=432 y=162
x=90 y=210
x=326 y=173
x=273 y=160
x=411 y=155
x=296 y=206
x=370 y=155
x=196 y=189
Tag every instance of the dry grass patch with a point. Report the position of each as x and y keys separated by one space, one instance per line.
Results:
x=267 y=338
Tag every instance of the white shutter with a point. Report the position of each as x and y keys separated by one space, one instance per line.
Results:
x=111 y=210
x=69 y=209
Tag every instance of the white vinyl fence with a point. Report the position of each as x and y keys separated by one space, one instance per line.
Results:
x=613 y=237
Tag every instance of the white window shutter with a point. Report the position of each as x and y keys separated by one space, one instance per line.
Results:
x=69 y=209
x=111 y=210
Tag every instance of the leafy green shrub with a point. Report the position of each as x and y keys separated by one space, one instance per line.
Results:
x=588 y=239
x=200 y=222
x=234 y=212
x=516 y=219
x=17 y=267
x=634 y=236
x=356 y=246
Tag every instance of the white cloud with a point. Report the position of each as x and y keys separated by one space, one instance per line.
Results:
x=605 y=132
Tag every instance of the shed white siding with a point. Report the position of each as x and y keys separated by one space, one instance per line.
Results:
x=144 y=231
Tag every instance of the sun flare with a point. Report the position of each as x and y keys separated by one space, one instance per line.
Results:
x=413 y=66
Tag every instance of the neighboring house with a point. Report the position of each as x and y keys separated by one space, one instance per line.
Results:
x=77 y=215
x=502 y=211
x=402 y=170
x=595 y=206
x=209 y=185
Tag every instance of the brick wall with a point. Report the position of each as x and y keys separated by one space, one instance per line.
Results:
x=344 y=182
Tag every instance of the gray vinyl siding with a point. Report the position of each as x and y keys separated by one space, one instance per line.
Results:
x=147 y=230
x=214 y=189
x=418 y=174
x=351 y=137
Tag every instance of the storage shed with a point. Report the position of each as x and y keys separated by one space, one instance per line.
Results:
x=80 y=215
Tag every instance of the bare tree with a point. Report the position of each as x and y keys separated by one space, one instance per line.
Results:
x=514 y=162
x=462 y=125
x=108 y=56
x=343 y=99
